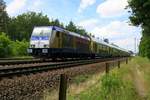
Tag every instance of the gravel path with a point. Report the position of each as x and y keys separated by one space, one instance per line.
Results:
x=139 y=82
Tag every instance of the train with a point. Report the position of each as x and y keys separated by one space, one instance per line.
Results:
x=55 y=42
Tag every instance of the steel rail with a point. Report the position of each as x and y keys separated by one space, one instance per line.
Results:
x=17 y=58
x=15 y=62
x=30 y=61
x=40 y=68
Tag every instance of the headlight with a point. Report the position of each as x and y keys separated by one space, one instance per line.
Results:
x=44 y=50
x=32 y=45
x=29 y=50
x=46 y=46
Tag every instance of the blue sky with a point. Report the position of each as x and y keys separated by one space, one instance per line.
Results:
x=103 y=18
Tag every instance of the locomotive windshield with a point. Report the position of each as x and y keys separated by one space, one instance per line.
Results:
x=41 y=33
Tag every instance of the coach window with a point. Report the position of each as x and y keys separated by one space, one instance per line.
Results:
x=58 y=33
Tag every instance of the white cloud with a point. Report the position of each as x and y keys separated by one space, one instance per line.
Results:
x=115 y=29
x=111 y=8
x=84 y=4
x=126 y=43
x=35 y=5
x=15 y=6
x=88 y=24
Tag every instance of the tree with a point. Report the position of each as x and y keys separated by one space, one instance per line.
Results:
x=55 y=22
x=145 y=47
x=81 y=31
x=21 y=27
x=140 y=12
x=3 y=17
x=141 y=17
x=71 y=27
x=62 y=25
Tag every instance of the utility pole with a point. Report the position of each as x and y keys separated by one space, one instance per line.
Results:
x=135 y=45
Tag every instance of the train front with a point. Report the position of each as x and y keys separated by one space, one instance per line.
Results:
x=40 y=41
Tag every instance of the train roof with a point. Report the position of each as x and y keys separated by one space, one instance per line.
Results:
x=64 y=30
x=110 y=45
x=71 y=33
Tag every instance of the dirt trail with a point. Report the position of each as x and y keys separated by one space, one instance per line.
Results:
x=139 y=82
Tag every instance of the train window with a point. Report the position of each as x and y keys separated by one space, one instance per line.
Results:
x=104 y=47
x=100 y=46
x=58 y=34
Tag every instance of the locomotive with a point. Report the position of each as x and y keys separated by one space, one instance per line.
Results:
x=55 y=42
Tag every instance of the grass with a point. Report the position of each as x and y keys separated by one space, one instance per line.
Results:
x=81 y=78
x=82 y=84
x=144 y=67
x=130 y=82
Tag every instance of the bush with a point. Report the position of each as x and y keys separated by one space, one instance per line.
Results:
x=10 y=48
x=20 y=48
x=5 y=45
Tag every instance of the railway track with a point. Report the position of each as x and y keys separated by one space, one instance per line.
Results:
x=21 y=70
x=17 y=58
x=8 y=62
x=21 y=61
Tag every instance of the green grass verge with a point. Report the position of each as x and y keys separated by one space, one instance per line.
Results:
x=118 y=84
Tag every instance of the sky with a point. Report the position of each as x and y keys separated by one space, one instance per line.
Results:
x=103 y=18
